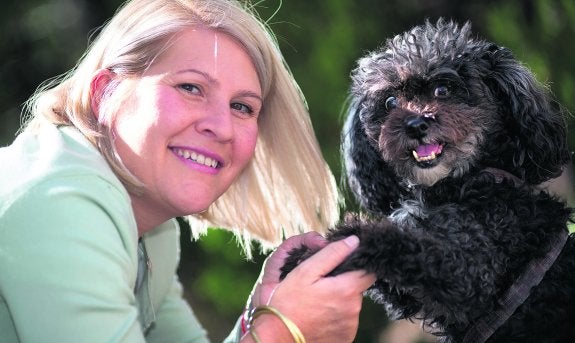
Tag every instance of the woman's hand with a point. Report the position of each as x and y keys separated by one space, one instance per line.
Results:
x=326 y=309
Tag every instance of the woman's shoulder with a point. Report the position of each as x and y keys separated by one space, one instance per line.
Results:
x=54 y=182
x=53 y=157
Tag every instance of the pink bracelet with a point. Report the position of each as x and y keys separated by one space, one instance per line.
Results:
x=244 y=321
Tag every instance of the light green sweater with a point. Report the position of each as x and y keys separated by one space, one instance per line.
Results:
x=69 y=251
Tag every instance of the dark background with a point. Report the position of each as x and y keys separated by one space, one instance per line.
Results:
x=320 y=39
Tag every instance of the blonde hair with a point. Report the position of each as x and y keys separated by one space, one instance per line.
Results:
x=286 y=189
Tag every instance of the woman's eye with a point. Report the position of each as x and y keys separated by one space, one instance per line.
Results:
x=238 y=106
x=390 y=103
x=190 y=88
x=441 y=91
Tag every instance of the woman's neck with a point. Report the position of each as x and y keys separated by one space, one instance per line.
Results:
x=147 y=218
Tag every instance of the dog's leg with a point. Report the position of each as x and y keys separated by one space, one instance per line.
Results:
x=421 y=273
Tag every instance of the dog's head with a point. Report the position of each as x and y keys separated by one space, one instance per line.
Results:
x=436 y=103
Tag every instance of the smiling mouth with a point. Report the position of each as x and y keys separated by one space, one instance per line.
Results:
x=197 y=158
x=426 y=154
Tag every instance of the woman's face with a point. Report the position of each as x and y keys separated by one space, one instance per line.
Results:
x=190 y=127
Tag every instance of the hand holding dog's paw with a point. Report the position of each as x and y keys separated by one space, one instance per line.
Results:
x=340 y=296
x=273 y=273
x=326 y=309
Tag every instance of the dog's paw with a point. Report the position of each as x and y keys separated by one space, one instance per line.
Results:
x=295 y=257
x=360 y=225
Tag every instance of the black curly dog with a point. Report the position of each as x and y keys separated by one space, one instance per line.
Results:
x=447 y=140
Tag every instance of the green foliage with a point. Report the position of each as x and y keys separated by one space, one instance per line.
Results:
x=225 y=271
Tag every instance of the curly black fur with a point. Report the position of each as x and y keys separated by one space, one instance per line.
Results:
x=445 y=235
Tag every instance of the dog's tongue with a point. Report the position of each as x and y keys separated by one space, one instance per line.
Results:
x=428 y=149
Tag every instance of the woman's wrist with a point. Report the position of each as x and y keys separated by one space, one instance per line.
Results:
x=268 y=328
x=293 y=329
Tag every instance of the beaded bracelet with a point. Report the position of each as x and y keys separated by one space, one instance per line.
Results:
x=263 y=309
x=246 y=316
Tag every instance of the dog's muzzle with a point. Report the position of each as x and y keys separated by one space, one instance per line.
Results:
x=416 y=126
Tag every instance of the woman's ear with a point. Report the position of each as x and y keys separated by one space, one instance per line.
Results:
x=98 y=88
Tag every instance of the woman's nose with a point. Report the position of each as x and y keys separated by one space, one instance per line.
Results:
x=217 y=122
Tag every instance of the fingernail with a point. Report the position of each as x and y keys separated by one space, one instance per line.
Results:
x=352 y=241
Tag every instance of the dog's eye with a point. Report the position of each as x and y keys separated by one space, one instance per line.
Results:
x=390 y=103
x=441 y=91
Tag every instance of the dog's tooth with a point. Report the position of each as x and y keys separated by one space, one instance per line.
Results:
x=418 y=158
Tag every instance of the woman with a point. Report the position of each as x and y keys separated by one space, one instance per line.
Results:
x=180 y=107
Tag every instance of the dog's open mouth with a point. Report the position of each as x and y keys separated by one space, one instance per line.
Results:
x=426 y=154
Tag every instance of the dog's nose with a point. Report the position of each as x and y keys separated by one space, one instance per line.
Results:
x=416 y=126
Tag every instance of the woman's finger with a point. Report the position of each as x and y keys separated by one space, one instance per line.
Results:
x=325 y=260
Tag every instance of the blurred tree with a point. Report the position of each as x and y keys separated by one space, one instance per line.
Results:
x=321 y=40
x=40 y=40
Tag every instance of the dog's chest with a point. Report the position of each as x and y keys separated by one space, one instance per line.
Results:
x=408 y=214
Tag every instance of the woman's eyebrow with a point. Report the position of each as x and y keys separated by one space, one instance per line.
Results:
x=202 y=73
x=251 y=95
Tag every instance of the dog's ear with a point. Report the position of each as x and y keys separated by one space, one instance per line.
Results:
x=374 y=184
x=531 y=115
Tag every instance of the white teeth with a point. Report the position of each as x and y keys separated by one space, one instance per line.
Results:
x=198 y=158
x=209 y=162
x=424 y=158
